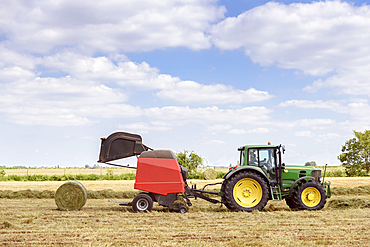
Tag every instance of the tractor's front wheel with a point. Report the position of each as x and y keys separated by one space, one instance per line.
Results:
x=310 y=196
x=245 y=191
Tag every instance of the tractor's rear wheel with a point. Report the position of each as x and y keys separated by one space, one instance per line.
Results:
x=142 y=203
x=310 y=196
x=245 y=191
x=223 y=193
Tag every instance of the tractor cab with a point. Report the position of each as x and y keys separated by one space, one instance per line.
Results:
x=266 y=158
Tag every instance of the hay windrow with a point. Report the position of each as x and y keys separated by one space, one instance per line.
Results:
x=345 y=203
x=358 y=190
x=210 y=174
x=70 y=196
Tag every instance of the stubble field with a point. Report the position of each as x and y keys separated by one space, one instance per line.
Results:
x=37 y=222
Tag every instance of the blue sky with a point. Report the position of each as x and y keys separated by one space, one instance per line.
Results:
x=207 y=76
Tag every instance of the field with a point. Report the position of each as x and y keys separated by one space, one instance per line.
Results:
x=37 y=222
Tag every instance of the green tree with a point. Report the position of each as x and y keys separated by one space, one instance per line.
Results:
x=355 y=154
x=2 y=173
x=189 y=160
x=310 y=163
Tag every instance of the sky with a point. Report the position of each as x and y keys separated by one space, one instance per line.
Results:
x=202 y=75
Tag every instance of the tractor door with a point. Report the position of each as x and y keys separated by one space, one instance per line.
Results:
x=265 y=158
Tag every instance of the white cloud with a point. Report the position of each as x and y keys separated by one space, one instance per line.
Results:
x=102 y=69
x=353 y=80
x=311 y=104
x=355 y=108
x=237 y=131
x=243 y=131
x=209 y=115
x=315 y=38
x=306 y=133
x=219 y=127
x=217 y=142
x=9 y=58
x=108 y=26
x=193 y=92
x=10 y=74
x=144 y=127
x=145 y=77
x=312 y=123
x=60 y=101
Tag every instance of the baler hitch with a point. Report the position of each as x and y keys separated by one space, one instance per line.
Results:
x=193 y=192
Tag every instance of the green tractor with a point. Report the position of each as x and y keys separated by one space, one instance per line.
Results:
x=261 y=176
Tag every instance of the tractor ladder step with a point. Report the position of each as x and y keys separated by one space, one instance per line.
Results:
x=275 y=193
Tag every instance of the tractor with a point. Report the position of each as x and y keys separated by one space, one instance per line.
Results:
x=259 y=176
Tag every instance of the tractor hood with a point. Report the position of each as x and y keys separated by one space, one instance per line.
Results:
x=120 y=145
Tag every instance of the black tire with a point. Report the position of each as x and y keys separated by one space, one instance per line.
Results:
x=223 y=188
x=183 y=210
x=142 y=203
x=290 y=202
x=310 y=196
x=245 y=191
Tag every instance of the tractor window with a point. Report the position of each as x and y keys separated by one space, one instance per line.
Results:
x=253 y=157
x=265 y=159
x=267 y=162
x=242 y=158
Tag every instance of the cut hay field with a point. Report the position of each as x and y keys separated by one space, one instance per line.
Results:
x=37 y=222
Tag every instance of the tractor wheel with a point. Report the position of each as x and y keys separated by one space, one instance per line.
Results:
x=290 y=202
x=245 y=191
x=223 y=193
x=142 y=203
x=310 y=196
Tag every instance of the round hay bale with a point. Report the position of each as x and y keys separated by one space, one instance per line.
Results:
x=210 y=174
x=70 y=196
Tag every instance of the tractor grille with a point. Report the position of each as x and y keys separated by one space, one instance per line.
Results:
x=316 y=174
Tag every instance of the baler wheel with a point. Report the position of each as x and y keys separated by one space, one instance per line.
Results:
x=142 y=203
x=183 y=210
x=310 y=196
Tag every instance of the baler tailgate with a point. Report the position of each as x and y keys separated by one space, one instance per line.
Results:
x=120 y=145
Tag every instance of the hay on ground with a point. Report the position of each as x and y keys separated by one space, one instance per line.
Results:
x=70 y=196
x=210 y=174
x=343 y=203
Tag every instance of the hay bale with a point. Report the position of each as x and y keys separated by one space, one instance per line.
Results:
x=70 y=196
x=210 y=174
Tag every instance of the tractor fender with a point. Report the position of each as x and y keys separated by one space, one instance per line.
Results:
x=231 y=173
x=296 y=182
